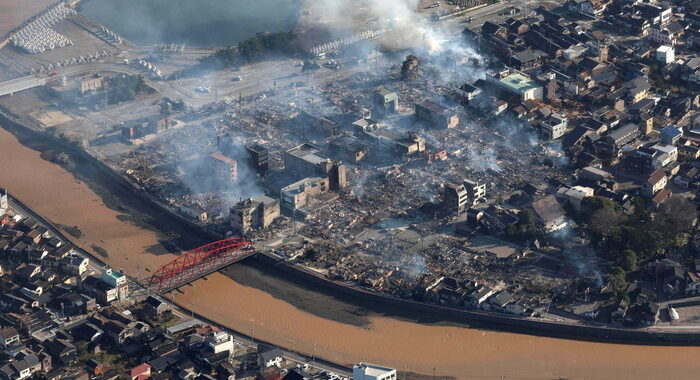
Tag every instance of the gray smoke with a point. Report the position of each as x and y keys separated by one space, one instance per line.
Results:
x=483 y=160
x=200 y=181
x=452 y=58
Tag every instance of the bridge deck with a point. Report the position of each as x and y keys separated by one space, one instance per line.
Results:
x=200 y=262
x=21 y=84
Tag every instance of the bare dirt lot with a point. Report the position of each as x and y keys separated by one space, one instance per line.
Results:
x=51 y=117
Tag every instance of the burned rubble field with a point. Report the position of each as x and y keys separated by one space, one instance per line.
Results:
x=387 y=229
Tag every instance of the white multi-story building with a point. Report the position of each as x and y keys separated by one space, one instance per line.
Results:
x=555 y=126
x=670 y=152
x=661 y=36
x=366 y=371
x=3 y=201
x=665 y=54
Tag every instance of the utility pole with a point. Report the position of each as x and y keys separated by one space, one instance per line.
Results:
x=313 y=357
x=252 y=331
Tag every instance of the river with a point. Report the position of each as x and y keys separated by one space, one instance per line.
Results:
x=203 y=23
x=257 y=300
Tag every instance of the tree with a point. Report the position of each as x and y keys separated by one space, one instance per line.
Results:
x=606 y=221
x=640 y=209
x=617 y=281
x=674 y=218
x=525 y=229
x=179 y=105
x=628 y=261
x=140 y=84
x=643 y=240
x=590 y=205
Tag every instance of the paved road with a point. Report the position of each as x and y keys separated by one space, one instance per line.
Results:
x=493 y=13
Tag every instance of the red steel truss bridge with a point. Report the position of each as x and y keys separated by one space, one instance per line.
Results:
x=200 y=262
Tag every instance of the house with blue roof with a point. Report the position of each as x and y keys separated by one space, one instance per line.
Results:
x=671 y=134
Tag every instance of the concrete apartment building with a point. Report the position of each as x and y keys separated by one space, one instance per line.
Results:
x=91 y=84
x=436 y=115
x=223 y=168
x=303 y=193
x=118 y=281
x=253 y=213
x=366 y=371
x=260 y=158
x=516 y=83
x=475 y=190
x=456 y=198
x=385 y=101
x=305 y=161
x=4 y=204
x=554 y=126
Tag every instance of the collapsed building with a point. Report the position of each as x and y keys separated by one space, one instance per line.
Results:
x=396 y=144
x=347 y=148
x=409 y=68
x=140 y=129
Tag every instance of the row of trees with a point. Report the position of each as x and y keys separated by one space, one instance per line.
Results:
x=627 y=239
x=253 y=49
x=123 y=88
x=615 y=232
x=525 y=229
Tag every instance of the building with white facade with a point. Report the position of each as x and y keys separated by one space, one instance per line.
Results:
x=366 y=371
x=665 y=54
x=555 y=126
x=3 y=201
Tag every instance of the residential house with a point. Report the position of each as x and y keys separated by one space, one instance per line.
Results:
x=155 y=306
x=671 y=134
x=8 y=336
x=61 y=350
x=549 y=213
x=654 y=183
x=140 y=372
x=75 y=264
x=270 y=356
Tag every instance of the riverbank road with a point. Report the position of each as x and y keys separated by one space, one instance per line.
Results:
x=496 y=13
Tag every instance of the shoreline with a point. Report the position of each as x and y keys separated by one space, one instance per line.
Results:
x=498 y=321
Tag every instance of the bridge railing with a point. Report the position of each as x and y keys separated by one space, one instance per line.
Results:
x=199 y=262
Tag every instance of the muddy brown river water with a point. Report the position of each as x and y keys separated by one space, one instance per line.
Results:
x=256 y=300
